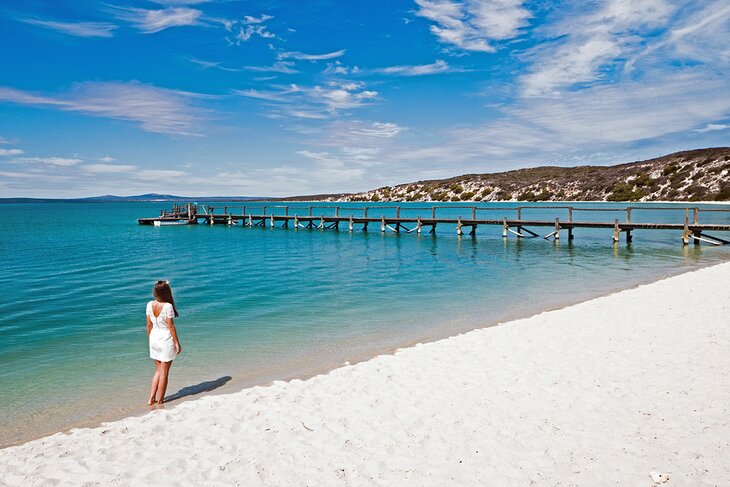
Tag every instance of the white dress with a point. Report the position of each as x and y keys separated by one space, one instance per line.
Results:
x=162 y=346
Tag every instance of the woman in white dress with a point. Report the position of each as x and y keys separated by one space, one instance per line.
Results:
x=164 y=344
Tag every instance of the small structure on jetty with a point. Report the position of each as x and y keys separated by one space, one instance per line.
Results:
x=417 y=219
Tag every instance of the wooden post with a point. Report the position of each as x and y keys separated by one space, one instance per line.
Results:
x=696 y=216
x=473 y=212
x=397 y=212
x=296 y=222
x=250 y=220
x=225 y=210
x=629 y=237
x=352 y=223
x=519 y=218
x=628 y=215
x=418 y=225
x=230 y=220
x=616 y=230
x=264 y=211
x=557 y=229
x=382 y=224
x=570 y=234
x=286 y=211
x=433 y=212
x=321 y=222
x=458 y=227
x=570 y=216
x=685 y=235
x=504 y=227
x=337 y=211
x=473 y=230
x=310 y=212
x=272 y=220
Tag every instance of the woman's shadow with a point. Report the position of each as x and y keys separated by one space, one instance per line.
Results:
x=206 y=386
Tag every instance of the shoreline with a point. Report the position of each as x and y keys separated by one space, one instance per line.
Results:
x=648 y=356
x=296 y=370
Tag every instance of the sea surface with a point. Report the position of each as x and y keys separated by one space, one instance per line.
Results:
x=258 y=304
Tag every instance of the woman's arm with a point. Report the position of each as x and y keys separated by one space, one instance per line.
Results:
x=173 y=332
x=149 y=325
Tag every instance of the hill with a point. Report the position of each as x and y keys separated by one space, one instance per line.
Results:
x=697 y=175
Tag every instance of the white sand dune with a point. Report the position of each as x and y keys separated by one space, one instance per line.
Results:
x=614 y=391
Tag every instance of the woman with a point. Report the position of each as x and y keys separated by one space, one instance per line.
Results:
x=164 y=344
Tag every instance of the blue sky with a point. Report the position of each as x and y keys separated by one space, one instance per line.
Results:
x=281 y=97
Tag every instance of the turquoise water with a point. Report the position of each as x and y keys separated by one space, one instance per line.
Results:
x=258 y=304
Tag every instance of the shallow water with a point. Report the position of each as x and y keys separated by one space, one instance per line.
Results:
x=258 y=303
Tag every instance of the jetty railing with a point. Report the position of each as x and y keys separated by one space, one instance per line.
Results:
x=516 y=220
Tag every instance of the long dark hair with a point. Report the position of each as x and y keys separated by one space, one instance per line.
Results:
x=163 y=293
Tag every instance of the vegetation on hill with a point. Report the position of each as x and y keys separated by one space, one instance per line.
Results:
x=697 y=175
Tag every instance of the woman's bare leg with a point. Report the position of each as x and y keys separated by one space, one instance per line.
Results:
x=155 y=383
x=162 y=383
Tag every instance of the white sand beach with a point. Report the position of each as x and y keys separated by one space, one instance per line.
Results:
x=627 y=389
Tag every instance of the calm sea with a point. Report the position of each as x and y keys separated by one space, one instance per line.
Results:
x=258 y=304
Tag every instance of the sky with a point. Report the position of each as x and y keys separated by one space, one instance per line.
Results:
x=276 y=98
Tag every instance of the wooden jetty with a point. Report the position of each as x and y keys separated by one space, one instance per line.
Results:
x=426 y=219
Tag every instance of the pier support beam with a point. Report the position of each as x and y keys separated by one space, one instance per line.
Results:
x=505 y=227
x=352 y=223
x=629 y=237
x=616 y=230
x=458 y=227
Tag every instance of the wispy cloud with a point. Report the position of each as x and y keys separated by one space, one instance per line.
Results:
x=599 y=118
x=283 y=67
x=154 y=109
x=588 y=44
x=51 y=161
x=380 y=130
x=11 y=152
x=214 y=65
x=79 y=29
x=437 y=67
x=311 y=57
x=713 y=127
x=315 y=102
x=474 y=25
x=108 y=168
x=150 y=21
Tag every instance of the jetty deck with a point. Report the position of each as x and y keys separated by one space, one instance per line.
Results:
x=399 y=219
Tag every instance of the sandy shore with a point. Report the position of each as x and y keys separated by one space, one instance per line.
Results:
x=606 y=392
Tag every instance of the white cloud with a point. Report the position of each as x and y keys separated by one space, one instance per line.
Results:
x=151 y=21
x=108 y=168
x=51 y=161
x=471 y=25
x=213 y=64
x=440 y=66
x=338 y=68
x=107 y=159
x=284 y=67
x=79 y=29
x=311 y=57
x=606 y=118
x=11 y=152
x=248 y=19
x=154 y=109
x=247 y=31
x=590 y=43
x=713 y=127
x=381 y=130
x=315 y=102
